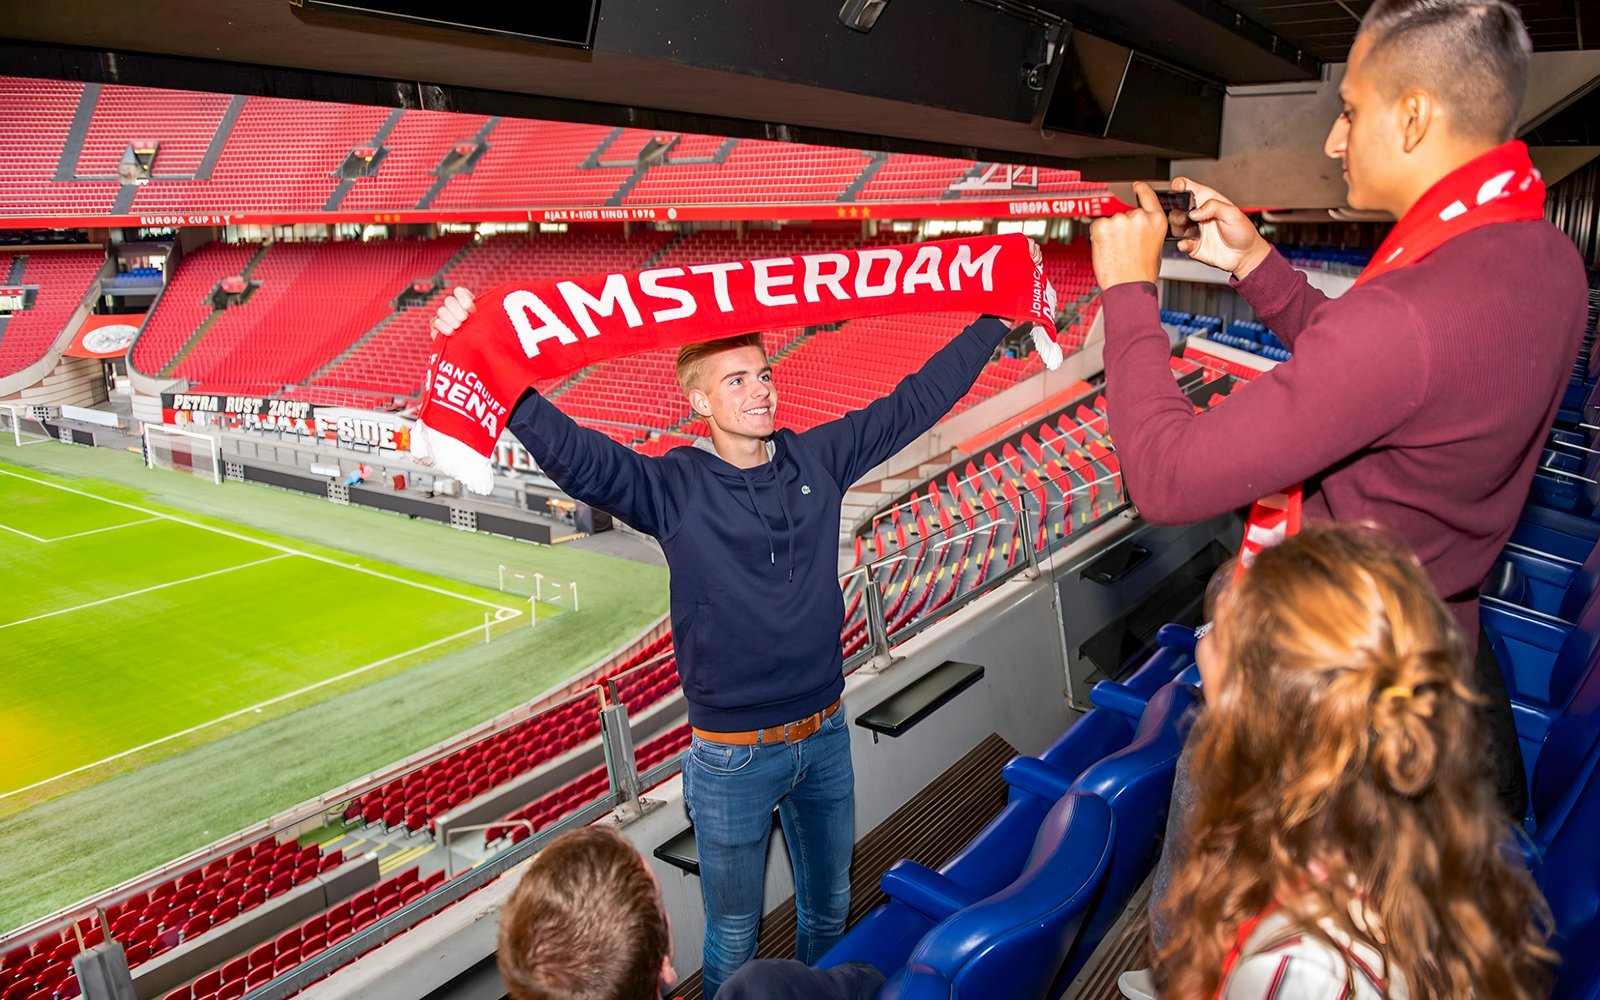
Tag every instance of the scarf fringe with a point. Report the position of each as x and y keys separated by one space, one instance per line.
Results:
x=1049 y=351
x=434 y=449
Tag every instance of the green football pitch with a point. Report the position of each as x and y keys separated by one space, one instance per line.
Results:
x=126 y=627
x=180 y=659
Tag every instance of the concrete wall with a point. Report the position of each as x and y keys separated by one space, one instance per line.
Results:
x=1272 y=134
x=72 y=381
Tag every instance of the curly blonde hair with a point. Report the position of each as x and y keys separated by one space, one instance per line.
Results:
x=1341 y=770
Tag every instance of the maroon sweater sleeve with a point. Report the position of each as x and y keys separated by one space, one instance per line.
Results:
x=1281 y=296
x=1358 y=374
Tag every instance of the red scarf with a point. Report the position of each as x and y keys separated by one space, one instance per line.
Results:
x=526 y=332
x=1502 y=185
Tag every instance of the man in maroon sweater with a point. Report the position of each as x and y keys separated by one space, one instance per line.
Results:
x=1420 y=399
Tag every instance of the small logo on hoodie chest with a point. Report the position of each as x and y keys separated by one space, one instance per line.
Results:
x=805 y=489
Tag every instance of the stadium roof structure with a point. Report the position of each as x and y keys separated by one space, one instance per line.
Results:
x=113 y=155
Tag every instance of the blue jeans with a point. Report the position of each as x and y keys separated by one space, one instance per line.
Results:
x=731 y=792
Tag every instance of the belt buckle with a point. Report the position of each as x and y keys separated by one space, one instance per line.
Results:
x=786 y=727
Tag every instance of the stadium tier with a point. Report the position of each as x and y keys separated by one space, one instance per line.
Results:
x=63 y=278
x=188 y=152
x=392 y=357
x=312 y=301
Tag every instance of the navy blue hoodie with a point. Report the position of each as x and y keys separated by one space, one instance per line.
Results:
x=754 y=553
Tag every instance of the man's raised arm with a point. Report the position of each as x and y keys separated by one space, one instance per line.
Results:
x=861 y=439
x=586 y=464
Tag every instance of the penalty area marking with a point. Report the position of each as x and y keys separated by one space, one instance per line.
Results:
x=146 y=590
x=91 y=531
x=253 y=708
x=157 y=515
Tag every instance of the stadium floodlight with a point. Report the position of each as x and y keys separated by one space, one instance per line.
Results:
x=26 y=423
x=200 y=455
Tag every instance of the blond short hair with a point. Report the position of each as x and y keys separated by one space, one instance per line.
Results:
x=692 y=357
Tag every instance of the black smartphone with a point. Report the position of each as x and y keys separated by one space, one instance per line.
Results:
x=1180 y=200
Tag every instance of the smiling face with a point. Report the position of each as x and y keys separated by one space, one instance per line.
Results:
x=1368 y=136
x=735 y=393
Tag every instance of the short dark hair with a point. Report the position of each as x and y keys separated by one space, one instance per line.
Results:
x=1473 y=55
x=585 y=923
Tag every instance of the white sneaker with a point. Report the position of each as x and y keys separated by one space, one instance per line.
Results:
x=1137 y=984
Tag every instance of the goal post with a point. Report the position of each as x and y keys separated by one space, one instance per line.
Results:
x=25 y=423
x=183 y=451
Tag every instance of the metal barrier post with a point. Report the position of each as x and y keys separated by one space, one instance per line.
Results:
x=616 y=737
x=1029 y=543
x=877 y=625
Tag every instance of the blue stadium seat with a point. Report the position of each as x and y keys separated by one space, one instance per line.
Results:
x=1565 y=761
x=1545 y=582
x=1137 y=782
x=1543 y=657
x=1556 y=532
x=994 y=858
x=1012 y=943
x=1570 y=878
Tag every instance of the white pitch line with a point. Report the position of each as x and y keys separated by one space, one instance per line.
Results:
x=245 y=711
x=96 y=531
x=146 y=590
x=24 y=534
x=271 y=545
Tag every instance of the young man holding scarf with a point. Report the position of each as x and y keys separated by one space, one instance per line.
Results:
x=1418 y=400
x=750 y=529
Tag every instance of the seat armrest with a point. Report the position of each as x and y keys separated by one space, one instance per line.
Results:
x=1175 y=636
x=1563 y=521
x=1117 y=698
x=1533 y=718
x=1511 y=622
x=925 y=890
x=1034 y=776
x=1557 y=572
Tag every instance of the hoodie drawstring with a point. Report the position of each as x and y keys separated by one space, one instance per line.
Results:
x=787 y=523
x=772 y=548
x=772 y=553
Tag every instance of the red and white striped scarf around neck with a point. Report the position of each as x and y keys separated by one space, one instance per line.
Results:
x=1502 y=185
x=527 y=332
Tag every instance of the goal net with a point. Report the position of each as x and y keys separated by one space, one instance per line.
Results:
x=185 y=451
x=25 y=424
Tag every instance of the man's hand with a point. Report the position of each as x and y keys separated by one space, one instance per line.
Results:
x=1127 y=247
x=453 y=311
x=1216 y=232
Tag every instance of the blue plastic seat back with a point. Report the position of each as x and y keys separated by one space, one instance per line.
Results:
x=1013 y=943
x=1570 y=877
x=1565 y=757
x=1137 y=782
x=1578 y=654
x=1580 y=593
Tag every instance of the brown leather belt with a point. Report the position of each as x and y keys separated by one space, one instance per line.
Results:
x=789 y=732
